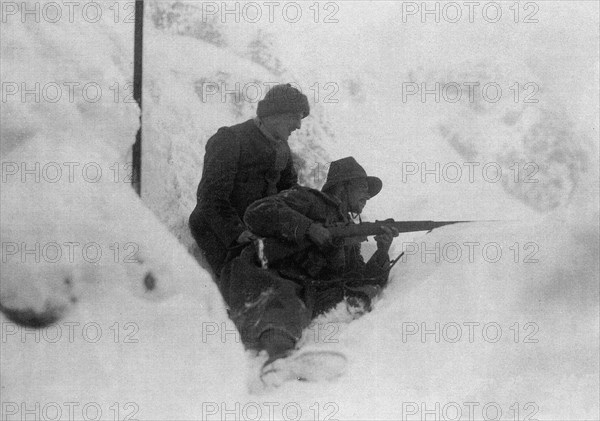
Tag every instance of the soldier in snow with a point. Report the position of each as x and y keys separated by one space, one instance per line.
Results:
x=307 y=273
x=244 y=163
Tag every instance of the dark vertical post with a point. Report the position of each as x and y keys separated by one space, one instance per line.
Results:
x=136 y=178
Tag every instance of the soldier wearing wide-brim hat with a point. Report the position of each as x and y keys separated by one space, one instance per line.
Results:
x=272 y=307
x=347 y=169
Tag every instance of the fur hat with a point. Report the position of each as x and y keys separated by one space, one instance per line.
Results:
x=347 y=169
x=282 y=99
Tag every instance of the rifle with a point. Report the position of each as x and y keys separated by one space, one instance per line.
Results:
x=271 y=250
x=366 y=229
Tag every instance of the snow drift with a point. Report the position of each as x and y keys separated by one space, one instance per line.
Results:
x=118 y=303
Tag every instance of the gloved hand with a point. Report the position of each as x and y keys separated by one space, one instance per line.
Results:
x=319 y=235
x=246 y=237
x=384 y=241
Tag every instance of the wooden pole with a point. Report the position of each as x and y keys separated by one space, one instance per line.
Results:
x=136 y=179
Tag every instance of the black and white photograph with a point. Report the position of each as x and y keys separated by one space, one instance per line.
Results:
x=300 y=210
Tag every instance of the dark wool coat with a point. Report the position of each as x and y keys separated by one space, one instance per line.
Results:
x=241 y=165
x=287 y=217
x=304 y=282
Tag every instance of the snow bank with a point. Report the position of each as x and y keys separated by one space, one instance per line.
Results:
x=121 y=309
x=470 y=336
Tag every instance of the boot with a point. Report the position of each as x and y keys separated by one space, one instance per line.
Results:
x=277 y=343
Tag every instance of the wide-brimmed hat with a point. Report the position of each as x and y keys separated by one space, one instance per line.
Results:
x=283 y=99
x=347 y=169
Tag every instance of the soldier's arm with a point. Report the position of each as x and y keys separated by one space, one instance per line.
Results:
x=283 y=216
x=220 y=168
x=378 y=266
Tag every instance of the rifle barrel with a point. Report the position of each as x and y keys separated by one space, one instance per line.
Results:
x=366 y=229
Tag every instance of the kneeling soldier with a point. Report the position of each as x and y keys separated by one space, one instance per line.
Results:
x=308 y=273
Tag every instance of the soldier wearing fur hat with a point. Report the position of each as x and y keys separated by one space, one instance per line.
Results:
x=244 y=163
x=272 y=306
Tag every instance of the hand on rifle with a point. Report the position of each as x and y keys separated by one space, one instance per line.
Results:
x=319 y=235
x=384 y=241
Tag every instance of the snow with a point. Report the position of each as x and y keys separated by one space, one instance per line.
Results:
x=176 y=355
x=98 y=249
